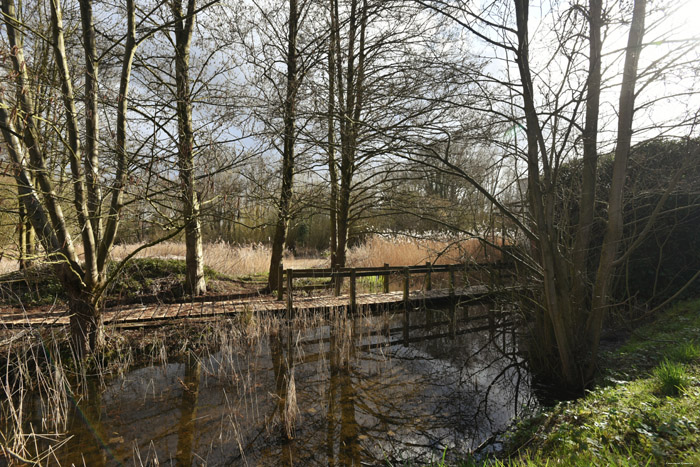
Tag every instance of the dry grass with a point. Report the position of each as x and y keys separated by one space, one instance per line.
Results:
x=243 y=260
x=8 y=265
x=233 y=260
x=399 y=250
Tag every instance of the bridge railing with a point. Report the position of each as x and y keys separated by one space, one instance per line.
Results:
x=286 y=277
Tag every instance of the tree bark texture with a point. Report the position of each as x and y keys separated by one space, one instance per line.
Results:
x=613 y=233
x=581 y=253
x=332 y=164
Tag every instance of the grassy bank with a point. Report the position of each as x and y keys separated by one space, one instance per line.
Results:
x=645 y=411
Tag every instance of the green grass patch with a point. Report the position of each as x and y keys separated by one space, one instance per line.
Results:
x=373 y=284
x=646 y=410
x=36 y=285
x=687 y=352
x=671 y=378
x=154 y=276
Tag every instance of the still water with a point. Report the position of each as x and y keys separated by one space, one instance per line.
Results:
x=341 y=391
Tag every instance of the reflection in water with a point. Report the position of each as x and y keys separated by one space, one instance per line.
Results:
x=188 y=411
x=344 y=392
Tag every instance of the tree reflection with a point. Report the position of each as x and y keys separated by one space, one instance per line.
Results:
x=188 y=411
x=285 y=389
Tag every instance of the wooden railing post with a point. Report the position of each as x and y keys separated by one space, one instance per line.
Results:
x=428 y=278
x=386 y=278
x=353 y=290
x=290 y=293
x=406 y=304
x=453 y=302
x=280 y=282
x=338 y=281
x=406 y=280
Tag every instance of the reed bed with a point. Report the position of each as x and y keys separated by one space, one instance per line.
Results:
x=376 y=250
x=404 y=250
x=225 y=258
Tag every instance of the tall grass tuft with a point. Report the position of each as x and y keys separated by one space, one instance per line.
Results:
x=671 y=378
x=254 y=259
x=687 y=352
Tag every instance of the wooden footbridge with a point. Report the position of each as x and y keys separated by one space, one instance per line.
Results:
x=126 y=316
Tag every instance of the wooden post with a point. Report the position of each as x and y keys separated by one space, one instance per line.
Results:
x=453 y=303
x=406 y=304
x=338 y=280
x=290 y=293
x=428 y=278
x=386 y=278
x=353 y=290
x=280 y=282
x=406 y=279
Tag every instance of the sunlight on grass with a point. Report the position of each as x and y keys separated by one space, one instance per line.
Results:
x=646 y=415
x=687 y=352
x=671 y=378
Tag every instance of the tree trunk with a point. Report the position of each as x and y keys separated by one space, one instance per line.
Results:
x=120 y=177
x=283 y=213
x=83 y=281
x=556 y=285
x=87 y=332
x=92 y=127
x=581 y=286
x=613 y=234
x=25 y=234
x=350 y=92
x=567 y=302
x=194 y=283
x=332 y=169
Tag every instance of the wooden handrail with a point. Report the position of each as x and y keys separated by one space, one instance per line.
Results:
x=286 y=276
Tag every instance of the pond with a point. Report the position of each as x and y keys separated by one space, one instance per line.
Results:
x=336 y=390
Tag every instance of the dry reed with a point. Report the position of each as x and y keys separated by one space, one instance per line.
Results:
x=8 y=265
x=225 y=258
x=400 y=250
x=251 y=259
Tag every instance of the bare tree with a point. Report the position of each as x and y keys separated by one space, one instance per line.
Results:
x=558 y=109
x=184 y=23
x=84 y=281
x=289 y=137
